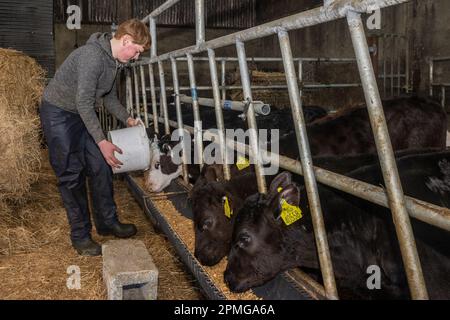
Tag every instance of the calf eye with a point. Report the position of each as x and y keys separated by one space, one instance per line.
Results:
x=157 y=165
x=206 y=225
x=243 y=241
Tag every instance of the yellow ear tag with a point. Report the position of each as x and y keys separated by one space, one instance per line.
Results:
x=279 y=189
x=290 y=213
x=227 y=209
x=242 y=163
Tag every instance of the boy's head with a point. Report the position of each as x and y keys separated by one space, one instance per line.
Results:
x=130 y=40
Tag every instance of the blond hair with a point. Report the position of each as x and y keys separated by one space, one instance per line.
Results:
x=137 y=30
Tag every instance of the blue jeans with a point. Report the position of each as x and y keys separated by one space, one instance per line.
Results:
x=74 y=155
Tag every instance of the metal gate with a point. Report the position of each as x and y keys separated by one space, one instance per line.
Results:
x=401 y=206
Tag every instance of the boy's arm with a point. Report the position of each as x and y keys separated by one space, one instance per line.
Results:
x=90 y=68
x=114 y=106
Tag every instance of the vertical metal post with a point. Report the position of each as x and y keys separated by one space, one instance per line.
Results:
x=223 y=82
x=443 y=96
x=399 y=65
x=144 y=96
x=136 y=92
x=300 y=73
x=129 y=93
x=407 y=79
x=153 y=50
x=307 y=166
x=393 y=53
x=151 y=75
x=431 y=76
x=219 y=115
x=163 y=97
x=251 y=120
x=198 y=137
x=200 y=21
x=176 y=89
x=384 y=67
x=387 y=160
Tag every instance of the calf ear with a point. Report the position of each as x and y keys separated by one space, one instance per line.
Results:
x=291 y=194
x=282 y=180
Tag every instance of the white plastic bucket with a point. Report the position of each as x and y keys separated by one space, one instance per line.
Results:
x=135 y=146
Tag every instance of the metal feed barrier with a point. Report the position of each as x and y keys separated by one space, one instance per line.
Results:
x=392 y=197
x=442 y=86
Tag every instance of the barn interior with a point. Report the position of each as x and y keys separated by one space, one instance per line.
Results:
x=286 y=55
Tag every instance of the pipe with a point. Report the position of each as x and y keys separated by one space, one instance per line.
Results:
x=258 y=106
x=144 y=96
x=200 y=21
x=163 y=97
x=306 y=160
x=129 y=93
x=180 y=119
x=151 y=75
x=271 y=87
x=136 y=92
x=195 y=106
x=251 y=120
x=402 y=223
x=219 y=115
x=153 y=49
x=163 y=7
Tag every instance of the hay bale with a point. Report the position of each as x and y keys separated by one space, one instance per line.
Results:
x=21 y=87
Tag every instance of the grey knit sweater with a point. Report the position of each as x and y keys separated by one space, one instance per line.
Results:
x=88 y=73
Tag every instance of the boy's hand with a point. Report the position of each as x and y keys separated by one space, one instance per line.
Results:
x=107 y=149
x=133 y=122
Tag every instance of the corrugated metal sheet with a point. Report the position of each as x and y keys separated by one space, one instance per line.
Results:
x=238 y=14
x=28 y=26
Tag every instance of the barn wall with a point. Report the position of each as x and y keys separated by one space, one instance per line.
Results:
x=425 y=21
x=28 y=27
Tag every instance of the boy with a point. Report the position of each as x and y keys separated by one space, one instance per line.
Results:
x=76 y=143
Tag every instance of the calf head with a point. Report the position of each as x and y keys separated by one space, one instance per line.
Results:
x=162 y=170
x=262 y=245
x=213 y=222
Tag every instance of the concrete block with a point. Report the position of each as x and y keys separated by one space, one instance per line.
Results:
x=128 y=271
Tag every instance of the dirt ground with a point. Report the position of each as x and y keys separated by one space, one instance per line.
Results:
x=35 y=249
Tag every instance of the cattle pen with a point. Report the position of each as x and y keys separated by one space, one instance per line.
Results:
x=402 y=207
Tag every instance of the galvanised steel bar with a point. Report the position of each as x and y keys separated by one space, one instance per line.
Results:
x=136 y=92
x=166 y=5
x=144 y=96
x=399 y=66
x=219 y=115
x=277 y=87
x=393 y=52
x=223 y=79
x=251 y=120
x=151 y=74
x=180 y=119
x=306 y=161
x=418 y=209
x=338 y=9
x=200 y=21
x=129 y=92
x=407 y=84
x=400 y=215
x=440 y=59
x=384 y=67
x=153 y=49
x=431 y=76
x=443 y=96
x=163 y=97
x=198 y=137
x=258 y=106
x=145 y=60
